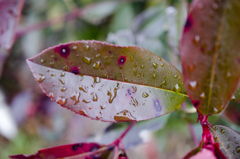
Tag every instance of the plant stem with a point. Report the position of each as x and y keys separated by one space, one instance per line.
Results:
x=118 y=140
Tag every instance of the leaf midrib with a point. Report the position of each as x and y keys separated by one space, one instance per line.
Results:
x=216 y=53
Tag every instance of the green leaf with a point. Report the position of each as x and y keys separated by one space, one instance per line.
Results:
x=108 y=82
x=210 y=53
x=228 y=139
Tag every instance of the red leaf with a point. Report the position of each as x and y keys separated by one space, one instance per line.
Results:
x=210 y=53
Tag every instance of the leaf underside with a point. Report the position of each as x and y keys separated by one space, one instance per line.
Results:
x=108 y=82
x=228 y=139
x=210 y=53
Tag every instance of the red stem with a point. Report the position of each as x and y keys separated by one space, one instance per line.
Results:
x=118 y=140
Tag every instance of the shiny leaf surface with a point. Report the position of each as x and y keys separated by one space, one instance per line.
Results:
x=210 y=53
x=108 y=82
x=228 y=139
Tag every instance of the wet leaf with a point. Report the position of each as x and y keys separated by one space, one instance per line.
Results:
x=72 y=151
x=108 y=82
x=210 y=53
x=228 y=139
x=9 y=14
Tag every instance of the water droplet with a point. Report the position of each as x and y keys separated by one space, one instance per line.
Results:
x=62 y=74
x=159 y=58
x=154 y=76
x=176 y=88
x=134 y=65
x=43 y=61
x=145 y=95
x=102 y=107
x=62 y=81
x=196 y=39
x=83 y=88
x=222 y=131
x=87 y=60
x=51 y=63
x=192 y=85
x=82 y=112
x=215 y=128
x=112 y=95
x=125 y=79
x=163 y=83
x=202 y=95
x=50 y=95
x=53 y=74
x=124 y=115
x=86 y=100
x=142 y=66
x=40 y=78
x=228 y=146
x=155 y=65
x=215 y=110
x=233 y=97
x=229 y=74
x=238 y=149
x=86 y=47
x=149 y=58
x=98 y=55
x=64 y=51
x=97 y=79
x=96 y=64
x=65 y=68
x=236 y=142
x=75 y=48
x=105 y=75
x=63 y=89
x=175 y=76
x=75 y=96
x=131 y=58
x=162 y=64
x=191 y=67
x=61 y=100
x=94 y=96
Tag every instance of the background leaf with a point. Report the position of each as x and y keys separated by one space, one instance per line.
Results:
x=210 y=53
x=228 y=140
x=80 y=151
x=135 y=81
x=9 y=14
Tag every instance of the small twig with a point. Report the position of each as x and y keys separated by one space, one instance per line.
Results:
x=117 y=141
x=194 y=136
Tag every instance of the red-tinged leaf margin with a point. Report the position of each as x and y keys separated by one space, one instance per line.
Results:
x=210 y=53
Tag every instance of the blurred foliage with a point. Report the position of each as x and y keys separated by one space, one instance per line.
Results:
x=155 y=25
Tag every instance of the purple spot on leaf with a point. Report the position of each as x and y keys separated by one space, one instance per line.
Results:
x=196 y=103
x=63 y=50
x=157 y=105
x=75 y=70
x=109 y=52
x=122 y=60
x=188 y=24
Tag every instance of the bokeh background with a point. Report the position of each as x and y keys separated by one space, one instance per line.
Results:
x=30 y=121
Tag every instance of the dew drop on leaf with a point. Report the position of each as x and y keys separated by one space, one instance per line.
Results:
x=61 y=100
x=162 y=64
x=62 y=81
x=86 y=101
x=202 y=95
x=75 y=97
x=74 y=48
x=192 y=85
x=87 y=60
x=102 y=107
x=50 y=95
x=43 y=61
x=155 y=65
x=96 y=64
x=40 y=78
x=176 y=88
x=154 y=75
x=228 y=146
x=94 y=96
x=62 y=74
x=86 y=47
x=222 y=131
x=238 y=149
x=83 y=88
x=145 y=95
x=233 y=97
x=63 y=89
